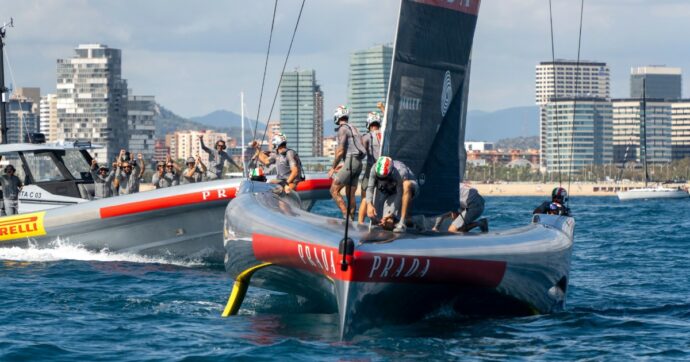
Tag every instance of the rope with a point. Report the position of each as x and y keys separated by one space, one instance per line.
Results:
x=263 y=80
x=555 y=96
x=577 y=71
x=287 y=56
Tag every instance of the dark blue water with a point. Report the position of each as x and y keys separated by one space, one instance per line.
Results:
x=629 y=298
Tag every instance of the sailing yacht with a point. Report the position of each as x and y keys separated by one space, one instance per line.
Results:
x=648 y=192
x=372 y=276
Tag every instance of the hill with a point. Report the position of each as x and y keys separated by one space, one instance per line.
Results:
x=518 y=143
x=504 y=123
x=218 y=121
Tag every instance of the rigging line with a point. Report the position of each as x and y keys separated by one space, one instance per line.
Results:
x=19 y=101
x=555 y=101
x=263 y=80
x=577 y=71
x=287 y=56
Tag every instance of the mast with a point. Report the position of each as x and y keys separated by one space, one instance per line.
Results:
x=3 y=89
x=244 y=165
x=644 y=130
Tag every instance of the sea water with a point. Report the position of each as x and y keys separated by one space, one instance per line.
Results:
x=629 y=297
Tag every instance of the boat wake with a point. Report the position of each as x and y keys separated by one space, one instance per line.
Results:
x=61 y=250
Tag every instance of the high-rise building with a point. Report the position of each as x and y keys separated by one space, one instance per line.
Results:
x=628 y=128
x=31 y=93
x=161 y=149
x=301 y=112
x=563 y=79
x=49 y=117
x=329 y=145
x=141 y=111
x=317 y=145
x=184 y=144
x=92 y=99
x=661 y=82
x=370 y=71
x=680 y=129
x=578 y=133
x=21 y=119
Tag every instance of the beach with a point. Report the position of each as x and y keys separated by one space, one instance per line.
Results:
x=541 y=189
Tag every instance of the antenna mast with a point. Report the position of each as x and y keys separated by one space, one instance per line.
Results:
x=3 y=90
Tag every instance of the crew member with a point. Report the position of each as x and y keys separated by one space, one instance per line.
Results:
x=195 y=171
x=166 y=175
x=392 y=184
x=372 y=145
x=557 y=206
x=471 y=208
x=288 y=165
x=128 y=174
x=11 y=185
x=102 y=180
x=217 y=158
x=351 y=152
x=257 y=174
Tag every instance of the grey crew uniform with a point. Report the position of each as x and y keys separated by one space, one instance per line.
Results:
x=284 y=163
x=471 y=206
x=102 y=186
x=386 y=195
x=129 y=184
x=372 y=144
x=197 y=176
x=216 y=161
x=168 y=179
x=10 y=193
x=350 y=140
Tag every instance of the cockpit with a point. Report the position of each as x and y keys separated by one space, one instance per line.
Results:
x=53 y=175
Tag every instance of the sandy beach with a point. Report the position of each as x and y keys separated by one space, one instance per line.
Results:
x=541 y=189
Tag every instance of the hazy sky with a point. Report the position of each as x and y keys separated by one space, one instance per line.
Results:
x=196 y=56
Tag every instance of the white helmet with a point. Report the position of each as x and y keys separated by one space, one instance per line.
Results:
x=373 y=117
x=278 y=139
x=340 y=112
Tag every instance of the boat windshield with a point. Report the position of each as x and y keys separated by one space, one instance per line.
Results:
x=43 y=167
x=76 y=164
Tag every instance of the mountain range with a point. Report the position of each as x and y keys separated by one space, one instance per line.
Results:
x=481 y=126
x=504 y=123
x=218 y=121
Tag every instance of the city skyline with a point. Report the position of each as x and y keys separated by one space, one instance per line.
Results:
x=169 y=49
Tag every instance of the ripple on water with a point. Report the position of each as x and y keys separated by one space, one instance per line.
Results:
x=628 y=299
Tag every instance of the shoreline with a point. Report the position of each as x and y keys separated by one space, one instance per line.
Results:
x=544 y=189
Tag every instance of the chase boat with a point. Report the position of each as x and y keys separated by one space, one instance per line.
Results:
x=57 y=203
x=374 y=277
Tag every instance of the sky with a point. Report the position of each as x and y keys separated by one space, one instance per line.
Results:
x=197 y=56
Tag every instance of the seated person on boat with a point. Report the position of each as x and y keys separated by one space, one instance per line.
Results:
x=166 y=176
x=102 y=179
x=217 y=158
x=557 y=205
x=471 y=208
x=195 y=171
x=128 y=176
x=391 y=189
x=288 y=165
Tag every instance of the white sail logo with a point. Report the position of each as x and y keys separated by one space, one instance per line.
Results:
x=447 y=94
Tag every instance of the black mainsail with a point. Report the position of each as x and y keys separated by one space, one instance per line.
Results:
x=424 y=124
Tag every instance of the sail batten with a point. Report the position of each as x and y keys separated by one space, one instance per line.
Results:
x=424 y=124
